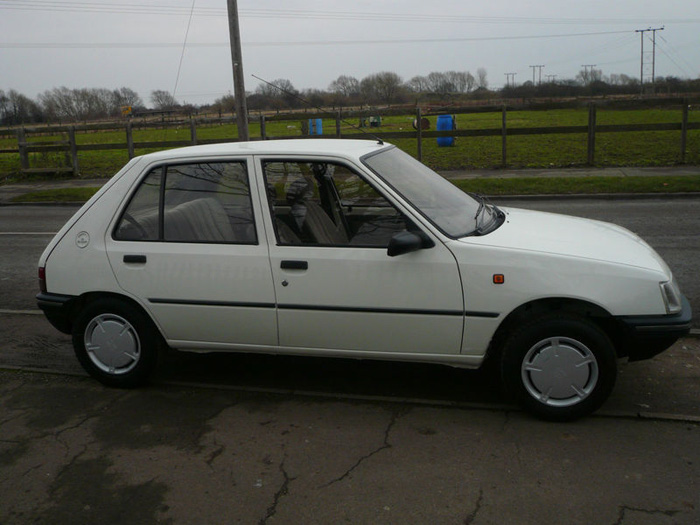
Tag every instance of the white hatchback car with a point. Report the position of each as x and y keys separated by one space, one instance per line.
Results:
x=351 y=248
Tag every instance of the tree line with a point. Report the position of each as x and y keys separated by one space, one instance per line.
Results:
x=74 y=105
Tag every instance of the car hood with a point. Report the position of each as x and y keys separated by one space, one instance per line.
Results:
x=551 y=233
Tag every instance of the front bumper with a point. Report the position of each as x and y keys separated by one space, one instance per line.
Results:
x=648 y=335
x=58 y=309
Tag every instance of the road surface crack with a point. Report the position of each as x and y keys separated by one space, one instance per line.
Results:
x=281 y=492
x=383 y=446
x=624 y=508
x=472 y=516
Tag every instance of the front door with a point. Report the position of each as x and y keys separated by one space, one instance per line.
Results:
x=336 y=286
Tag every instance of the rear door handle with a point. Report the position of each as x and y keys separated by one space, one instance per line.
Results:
x=294 y=265
x=135 y=259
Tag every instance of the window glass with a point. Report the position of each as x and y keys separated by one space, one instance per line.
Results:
x=140 y=220
x=328 y=204
x=204 y=202
x=208 y=202
x=449 y=208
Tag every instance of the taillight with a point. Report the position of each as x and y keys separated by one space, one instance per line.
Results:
x=42 y=279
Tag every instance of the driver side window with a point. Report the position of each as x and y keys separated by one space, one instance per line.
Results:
x=328 y=204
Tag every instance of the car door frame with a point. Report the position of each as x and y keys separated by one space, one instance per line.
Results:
x=444 y=320
x=214 y=318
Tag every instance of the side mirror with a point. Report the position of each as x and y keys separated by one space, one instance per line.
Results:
x=406 y=242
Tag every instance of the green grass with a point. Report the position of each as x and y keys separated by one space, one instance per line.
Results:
x=492 y=187
x=58 y=195
x=580 y=185
x=526 y=151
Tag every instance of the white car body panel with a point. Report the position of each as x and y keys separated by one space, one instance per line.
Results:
x=80 y=270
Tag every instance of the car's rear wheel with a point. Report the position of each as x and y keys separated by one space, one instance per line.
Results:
x=559 y=367
x=116 y=343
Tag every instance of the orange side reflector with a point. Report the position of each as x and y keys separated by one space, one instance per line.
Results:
x=498 y=278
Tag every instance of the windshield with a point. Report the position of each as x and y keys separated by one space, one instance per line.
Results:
x=454 y=212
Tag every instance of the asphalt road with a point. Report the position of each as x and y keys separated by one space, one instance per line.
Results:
x=265 y=439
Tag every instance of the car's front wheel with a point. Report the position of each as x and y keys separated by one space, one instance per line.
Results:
x=559 y=367
x=116 y=343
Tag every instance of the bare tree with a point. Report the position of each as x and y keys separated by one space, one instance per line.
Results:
x=227 y=104
x=439 y=83
x=587 y=76
x=481 y=81
x=385 y=87
x=346 y=86
x=4 y=106
x=125 y=96
x=19 y=109
x=418 y=84
x=163 y=99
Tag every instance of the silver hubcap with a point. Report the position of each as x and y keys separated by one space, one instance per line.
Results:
x=112 y=344
x=559 y=371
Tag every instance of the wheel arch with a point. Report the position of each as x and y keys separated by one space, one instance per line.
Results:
x=80 y=302
x=541 y=307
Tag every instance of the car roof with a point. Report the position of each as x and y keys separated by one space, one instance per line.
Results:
x=337 y=147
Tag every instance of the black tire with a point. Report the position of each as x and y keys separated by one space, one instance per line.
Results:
x=559 y=367
x=116 y=343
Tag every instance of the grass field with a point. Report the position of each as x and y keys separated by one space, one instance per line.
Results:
x=489 y=187
x=658 y=148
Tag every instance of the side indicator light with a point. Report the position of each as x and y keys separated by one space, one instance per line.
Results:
x=498 y=278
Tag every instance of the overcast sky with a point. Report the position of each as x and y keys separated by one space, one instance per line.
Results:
x=110 y=44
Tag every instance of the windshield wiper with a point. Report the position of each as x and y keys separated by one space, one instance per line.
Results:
x=494 y=213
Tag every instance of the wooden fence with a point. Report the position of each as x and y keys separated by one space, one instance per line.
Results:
x=71 y=148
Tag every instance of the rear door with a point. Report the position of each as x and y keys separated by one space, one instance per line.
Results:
x=187 y=245
x=336 y=287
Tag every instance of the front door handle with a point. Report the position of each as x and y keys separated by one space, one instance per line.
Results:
x=138 y=259
x=294 y=265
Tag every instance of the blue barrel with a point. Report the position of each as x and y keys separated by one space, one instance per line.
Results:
x=315 y=126
x=446 y=123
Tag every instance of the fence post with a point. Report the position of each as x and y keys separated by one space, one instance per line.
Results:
x=684 y=130
x=129 y=140
x=193 y=132
x=22 y=146
x=504 y=135
x=337 y=124
x=263 y=131
x=73 y=151
x=591 y=133
x=419 y=134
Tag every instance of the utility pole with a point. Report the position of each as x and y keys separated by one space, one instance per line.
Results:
x=653 y=57
x=539 y=67
x=510 y=79
x=237 y=62
x=551 y=78
x=586 y=76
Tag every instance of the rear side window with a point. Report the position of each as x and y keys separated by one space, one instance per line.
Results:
x=202 y=202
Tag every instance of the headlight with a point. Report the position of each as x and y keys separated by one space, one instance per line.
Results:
x=672 y=296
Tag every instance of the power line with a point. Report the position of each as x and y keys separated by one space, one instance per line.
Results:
x=184 y=46
x=133 y=45
x=175 y=10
